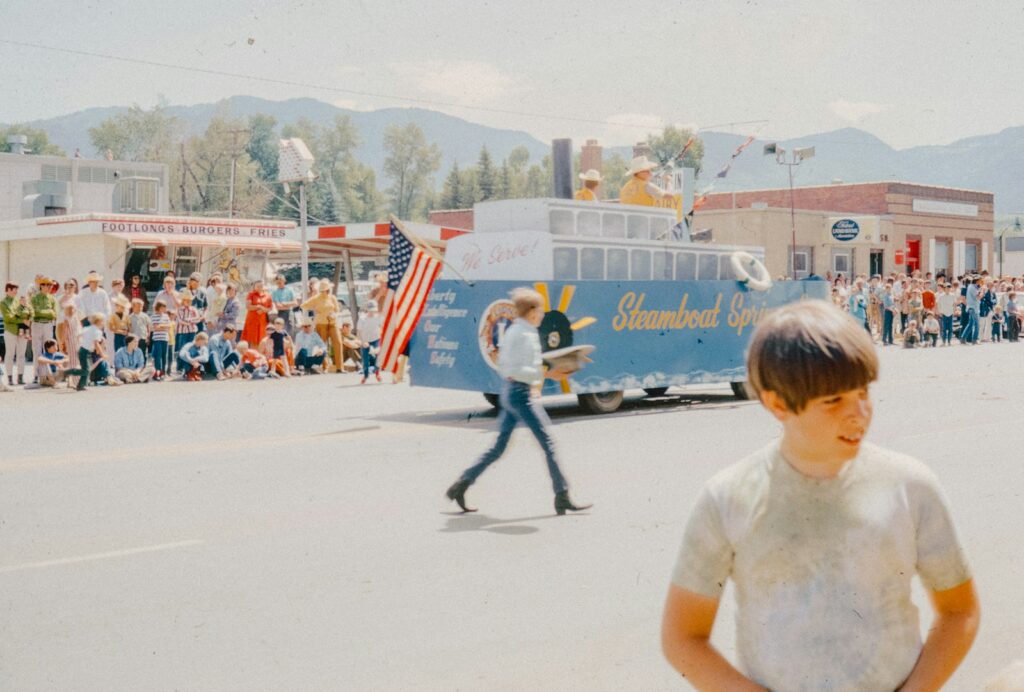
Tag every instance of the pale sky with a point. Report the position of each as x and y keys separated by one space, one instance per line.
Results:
x=909 y=72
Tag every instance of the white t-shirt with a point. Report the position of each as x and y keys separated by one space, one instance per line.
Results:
x=90 y=335
x=822 y=568
x=945 y=303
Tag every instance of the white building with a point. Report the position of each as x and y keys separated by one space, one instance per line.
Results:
x=32 y=186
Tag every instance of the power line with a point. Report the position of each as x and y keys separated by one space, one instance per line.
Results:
x=350 y=92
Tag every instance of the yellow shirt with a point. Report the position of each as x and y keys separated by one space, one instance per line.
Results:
x=585 y=194
x=635 y=191
x=324 y=306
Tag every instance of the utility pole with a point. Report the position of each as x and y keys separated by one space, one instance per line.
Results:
x=798 y=156
x=235 y=153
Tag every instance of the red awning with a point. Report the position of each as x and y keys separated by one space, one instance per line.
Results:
x=367 y=240
x=242 y=243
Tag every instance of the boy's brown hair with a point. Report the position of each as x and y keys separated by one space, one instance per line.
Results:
x=807 y=350
x=525 y=300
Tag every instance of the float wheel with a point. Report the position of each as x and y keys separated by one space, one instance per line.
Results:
x=604 y=402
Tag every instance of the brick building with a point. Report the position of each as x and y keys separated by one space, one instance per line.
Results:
x=858 y=228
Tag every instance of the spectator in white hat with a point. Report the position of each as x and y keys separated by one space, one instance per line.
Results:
x=591 y=180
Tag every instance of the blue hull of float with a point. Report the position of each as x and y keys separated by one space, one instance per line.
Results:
x=646 y=334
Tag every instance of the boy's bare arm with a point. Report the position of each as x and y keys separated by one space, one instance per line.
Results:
x=957 y=615
x=685 y=632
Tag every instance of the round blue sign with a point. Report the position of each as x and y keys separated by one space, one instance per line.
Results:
x=845 y=229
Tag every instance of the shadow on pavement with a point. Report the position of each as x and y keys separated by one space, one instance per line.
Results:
x=566 y=409
x=458 y=522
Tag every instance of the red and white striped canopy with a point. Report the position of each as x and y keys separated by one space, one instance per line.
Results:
x=364 y=240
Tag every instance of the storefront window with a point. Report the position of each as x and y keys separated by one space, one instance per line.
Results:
x=971 y=257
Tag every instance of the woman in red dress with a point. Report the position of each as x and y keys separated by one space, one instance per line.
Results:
x=258 y=303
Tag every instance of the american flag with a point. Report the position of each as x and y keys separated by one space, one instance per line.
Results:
x=411 y=274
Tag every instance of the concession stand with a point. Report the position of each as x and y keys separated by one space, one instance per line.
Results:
x=122 y=245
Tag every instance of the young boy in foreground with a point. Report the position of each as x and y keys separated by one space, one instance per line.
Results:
x=821 y=534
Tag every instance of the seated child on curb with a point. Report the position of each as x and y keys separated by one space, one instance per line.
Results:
x=195 y=356
x=912 y=335
x=821 y=534
x=254 y=365
x=52 y=366
x=931 y=329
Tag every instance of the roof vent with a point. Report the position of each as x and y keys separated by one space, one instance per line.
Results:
x=17 y=143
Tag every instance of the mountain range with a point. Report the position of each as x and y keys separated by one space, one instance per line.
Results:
x=992 y=163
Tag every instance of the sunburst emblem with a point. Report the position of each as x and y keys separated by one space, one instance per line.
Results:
x=556 y=331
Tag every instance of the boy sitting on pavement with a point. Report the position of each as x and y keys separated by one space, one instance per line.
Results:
x=195 y=356
x=350 y=350
x=254 y=365
x=130 y=362
x=224 y=359
x=52 y=366
x=821 y=534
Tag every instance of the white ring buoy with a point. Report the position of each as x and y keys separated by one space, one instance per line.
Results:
x=749 y=270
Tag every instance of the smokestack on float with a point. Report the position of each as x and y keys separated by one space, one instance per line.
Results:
x=561 y=159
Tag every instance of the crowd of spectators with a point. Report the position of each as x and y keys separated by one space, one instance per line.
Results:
x=925 y=310
x=77 y=336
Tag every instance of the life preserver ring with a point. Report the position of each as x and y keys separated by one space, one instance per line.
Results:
x=749 y=271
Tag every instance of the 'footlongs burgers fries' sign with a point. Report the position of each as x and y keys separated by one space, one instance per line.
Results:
x=194 y=227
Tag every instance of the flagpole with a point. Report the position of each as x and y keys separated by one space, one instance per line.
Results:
x=420 y=243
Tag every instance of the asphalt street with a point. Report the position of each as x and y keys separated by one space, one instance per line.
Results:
x=292 y=535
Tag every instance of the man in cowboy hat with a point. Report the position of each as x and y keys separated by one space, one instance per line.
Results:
x=588 y=193
x=639 y=189
x=94 y=299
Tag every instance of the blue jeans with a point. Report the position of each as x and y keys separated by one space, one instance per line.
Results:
x=159 y=350
x=218 y=365
x=181 y=341
x=304 y=360
x=886 y=326
x=517 y=406
x=99 y=373
x=947 y=328
x=369 y=360
x=970 y=331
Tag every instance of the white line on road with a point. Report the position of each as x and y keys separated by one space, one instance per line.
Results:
x=100 y=556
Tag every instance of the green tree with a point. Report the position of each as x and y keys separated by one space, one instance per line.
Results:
x=365 y=202
x=613 y=175
x=666 y=147
x=451 y=194
x=485 y=178
x=409 y=165
x=138 y=135
x=38 y=140
x=203 y=171
x=504 y=190
x=262 y=146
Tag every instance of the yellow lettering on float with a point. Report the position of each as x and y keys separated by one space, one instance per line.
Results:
x=630 y=315
x=741 y=317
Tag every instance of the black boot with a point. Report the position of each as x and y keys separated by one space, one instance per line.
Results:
x=562 y=503
x=458 y=493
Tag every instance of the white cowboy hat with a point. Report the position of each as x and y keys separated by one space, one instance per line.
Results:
x=592 y=175
x=93 y=276
x=640 y=163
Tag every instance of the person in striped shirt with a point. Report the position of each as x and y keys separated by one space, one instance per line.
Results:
x=161 y=325
x=187 y=325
